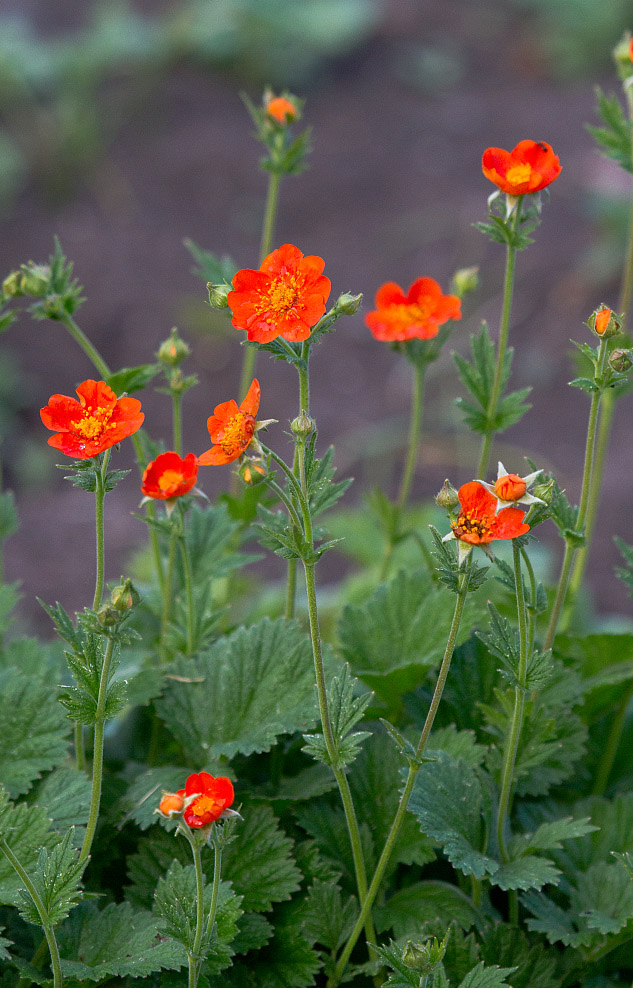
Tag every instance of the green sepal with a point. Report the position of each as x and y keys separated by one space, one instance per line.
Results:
x=63 y=296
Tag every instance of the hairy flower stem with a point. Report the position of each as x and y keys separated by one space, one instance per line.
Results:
x=304 y=406
x=587 y=475
x=100 y=478
x=414 y=768
x=49 y=933
x=217 y=870
x=167 y=595
x=176 y=402
x=194 y=955
x=504 y=329
x=612 y=744
x=80 y=750
x=512 y=743
x=97 y=756
x=188 y=580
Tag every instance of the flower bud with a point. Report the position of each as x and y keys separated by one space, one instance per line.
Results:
x=302 y=426
x=425 y=956
x=280 y=109
x=604 y=322
x=620 y=360
x=250 y=469
x=171 y=804
x=108 y=615
x=510 y=487
x=545 y=490
x=12 y=285
x=465 y=280
x=173 y=350
x=218 y=294
x=447 y=498
x=53 y=305
x=125 y=596
x=36 y=279
x=347 y=304
x=414 y=955
x=623 y=56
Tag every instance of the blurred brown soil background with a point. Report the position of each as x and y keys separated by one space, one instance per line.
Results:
x=400 y=119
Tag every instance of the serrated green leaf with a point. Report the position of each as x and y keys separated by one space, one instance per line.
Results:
x=253 y=932
x=585 y=384
x=487 y=977
x=447 y=800
x=531 y=872
x=26 y=830
x=115 y=942
x=549 y=836
x=130 y=379
x=247 y=674
x=614 y=139
x=211 y=536
x=457 y=744
x=399 y=634
x=346 y=709
x=209 y=266
x=65 y=795
x=176 y=901
x=144 y=793
x=327 y=918
x=56 y=879
x=400 y=975
x=288 y=960
x=33 y=730
x=4 y=943
x=535 y=965
x=408 y=910
x=329 y=831
x=625 y=573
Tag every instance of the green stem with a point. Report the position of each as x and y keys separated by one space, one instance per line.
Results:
x=194 y=956
x=612 y=745
x=79 y=337
x=528 y=565
x=100 y=476
x=415 y=428
x=188 y=579
x=49 y=933
x=507 y=775
x=414 y=768
x=587 y=475
x=80 y=751
x=97 y=755
x=176 y=401
x=217 y=869
x=304 y=406
x=167 y=592
x=626 y=288
x=504 y=329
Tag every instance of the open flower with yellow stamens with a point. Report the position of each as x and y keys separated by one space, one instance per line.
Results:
x=232 y=428
x=286 y=297
x=529 y=167
x=509 y=488
x=478 y=521
x=206 y=799
x=98 y=421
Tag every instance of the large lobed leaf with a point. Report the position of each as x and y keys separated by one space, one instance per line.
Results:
x=236 y=697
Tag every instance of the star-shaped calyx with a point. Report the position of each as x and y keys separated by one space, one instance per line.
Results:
x=510 y=489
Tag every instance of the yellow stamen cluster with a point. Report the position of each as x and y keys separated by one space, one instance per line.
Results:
x=281 y=296
x=237 y=432
x=468 y=524
x=519 y=174
x=94 y=422
x=169 y=479
x=205 y=804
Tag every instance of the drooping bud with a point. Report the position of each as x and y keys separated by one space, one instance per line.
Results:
x=125 y=596
x=510 y=487
x=36 y=279
x=171 y=805
x=545 y=490
x=348 y=305
x=621 y=360
x=447 y=497
x=604 y=322
x=302 y=426
x=465 y=280
x=173 y=350
x=12 y=285
x=218 y=294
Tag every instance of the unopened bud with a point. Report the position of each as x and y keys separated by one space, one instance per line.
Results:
x=303 y=425
x=414 y=955
x=12 y=285
x=108 y=615
x=425 y=957
x=447 y=497
x=620 y=360
x=545 y=490
x=465 y=280
x=173 y=350
x=218 y=294
x=171 y=804
x=125 y=596
x=280 y=109
x=510 y=487
x=623 y=56
x=36 y=279
x=53 y=306
x=347 y=304
x=604 y=322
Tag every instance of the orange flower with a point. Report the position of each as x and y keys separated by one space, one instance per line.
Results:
x=510 y=487
x=286 y=297
x=478 y=521
x=171 y=804
x=419 y=314
x=96 y=422
x=210 y=798
x=281 y=109
x=530 y=167
x=232 y=428
x=604 y=322
x=170 y=476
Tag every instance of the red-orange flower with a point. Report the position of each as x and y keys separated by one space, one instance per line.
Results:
x=213 y=796
x=478 y=521
x=96 y=422
x=418 y=314
x=232 y=428
x=281 y=109
x=530 y=167
x=170 y=476
x=510 y=487
x=286 y=297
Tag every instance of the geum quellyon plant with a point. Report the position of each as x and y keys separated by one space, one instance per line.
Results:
x=508 y=730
